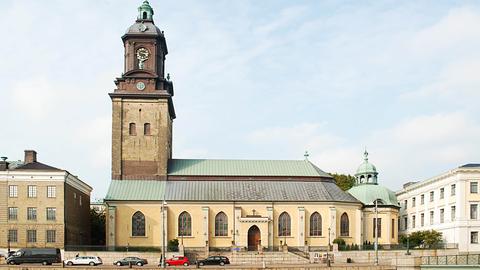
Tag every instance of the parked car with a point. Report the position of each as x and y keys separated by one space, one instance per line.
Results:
x=44 y=256
x=90 y=260
x=131 y=260
x=177 y=260
x=214 y=260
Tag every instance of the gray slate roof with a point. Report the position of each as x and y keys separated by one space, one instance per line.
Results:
x=228 y=190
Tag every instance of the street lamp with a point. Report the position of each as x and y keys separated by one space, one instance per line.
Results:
x=408 y=245
x=164 y=204
x=8 y=244
x=328 y=256
x=376 y=232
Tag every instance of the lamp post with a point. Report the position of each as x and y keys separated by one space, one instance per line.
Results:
x=376 y=232
x=408 y=245
x=8 y=244
x=328 y=249
x=164 y=204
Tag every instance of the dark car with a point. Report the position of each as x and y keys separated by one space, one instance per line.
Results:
x=131 y=261
x=214 y=260
x=44 y=256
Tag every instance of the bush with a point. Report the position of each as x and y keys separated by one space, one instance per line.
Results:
x=172 y=245
x=339 y=241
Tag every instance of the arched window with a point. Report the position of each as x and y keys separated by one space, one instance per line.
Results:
x=138 y=224
x=284 y=224
x=315 y=224
x=344 y=225
x=221 y=224
x=144 y=15
x=184 y=224
x=146 y=129
x=132 y=129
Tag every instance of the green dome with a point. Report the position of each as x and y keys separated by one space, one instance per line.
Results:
x=366 y=167
x=367 y=194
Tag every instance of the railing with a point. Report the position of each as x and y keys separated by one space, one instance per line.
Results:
x=112 y=248
x=470 y=259
x=300 y=251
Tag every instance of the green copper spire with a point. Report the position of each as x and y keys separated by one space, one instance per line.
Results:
x=145 y=12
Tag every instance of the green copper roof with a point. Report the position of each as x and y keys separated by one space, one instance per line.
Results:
x=136 y=190
x=366 y=167
x=145 y=11
x=223 y=167
x=368 y=193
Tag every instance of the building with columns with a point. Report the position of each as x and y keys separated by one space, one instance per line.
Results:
x=447 y=203
x=251 y=204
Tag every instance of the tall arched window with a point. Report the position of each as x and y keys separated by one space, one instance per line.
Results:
x=138 y=224
x=284 y=224
x=315 y=224
x=221 y=224
x=344 y=225
x=132 y=129
x=184 y=224
x=146 y=129
x=144 y=15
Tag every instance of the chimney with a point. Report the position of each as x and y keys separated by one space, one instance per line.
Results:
x=3 y=164
x=30 y=156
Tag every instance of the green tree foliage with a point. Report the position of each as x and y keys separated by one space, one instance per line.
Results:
x=97 y=228
x=423 y=239
x=344 y=181
x=172 y=245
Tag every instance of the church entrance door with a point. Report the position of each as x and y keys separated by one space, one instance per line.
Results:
x=253 y=238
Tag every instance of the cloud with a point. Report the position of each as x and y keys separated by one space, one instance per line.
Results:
x=413 y=148
x=36 y=98
x=458 y=29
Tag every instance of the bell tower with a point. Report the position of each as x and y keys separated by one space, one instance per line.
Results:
x=142 y=105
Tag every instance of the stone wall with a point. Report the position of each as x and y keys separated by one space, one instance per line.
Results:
x=386 y=256
x=108 y=258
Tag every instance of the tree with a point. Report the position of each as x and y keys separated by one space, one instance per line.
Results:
x=425 y=239
x=343 y=181
x=432 y=238
x=97 y=227
x=172 y=245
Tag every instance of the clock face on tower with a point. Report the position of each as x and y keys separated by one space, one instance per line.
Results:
x=140 y=86
x=142 y=56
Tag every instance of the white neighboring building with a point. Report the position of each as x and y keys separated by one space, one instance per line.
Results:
x=448 y=203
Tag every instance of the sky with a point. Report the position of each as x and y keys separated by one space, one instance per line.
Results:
x=266 y=79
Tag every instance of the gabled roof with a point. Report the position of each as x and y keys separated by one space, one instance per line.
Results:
x=37 y=166
x=244 y=190
x=231 y=167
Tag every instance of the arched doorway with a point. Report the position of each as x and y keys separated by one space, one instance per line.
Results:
x=253 y=238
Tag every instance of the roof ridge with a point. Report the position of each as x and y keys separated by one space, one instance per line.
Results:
x=239 y=159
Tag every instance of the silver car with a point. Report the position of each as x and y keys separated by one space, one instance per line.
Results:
x=85 y=260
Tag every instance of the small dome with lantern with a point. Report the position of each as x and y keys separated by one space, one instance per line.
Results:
x=144 y=23
x=367 y=190
x=366 y=172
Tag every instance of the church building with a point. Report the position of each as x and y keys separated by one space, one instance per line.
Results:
x=211 y=203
